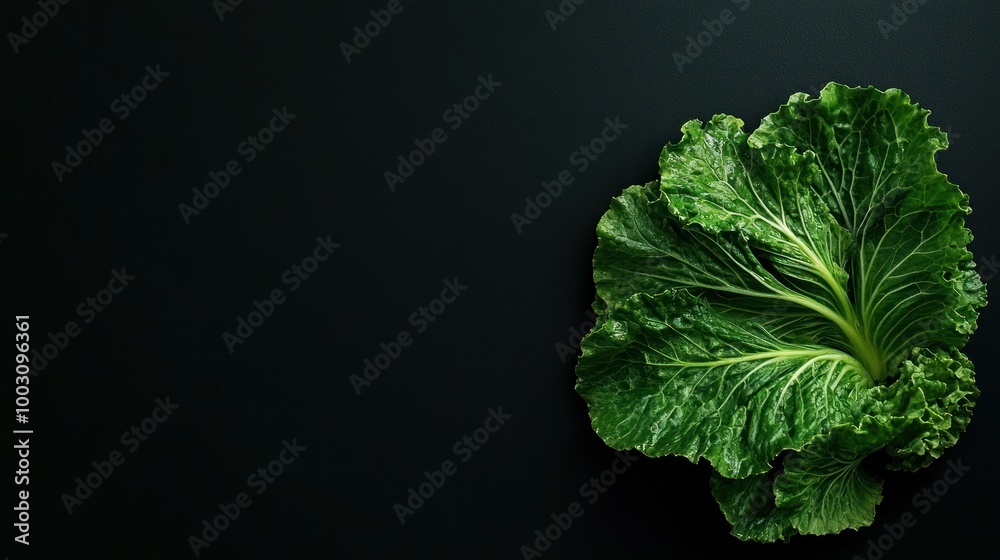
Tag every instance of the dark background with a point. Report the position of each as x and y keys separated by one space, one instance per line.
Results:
x=494 y=346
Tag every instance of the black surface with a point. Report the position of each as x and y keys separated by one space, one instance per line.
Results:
x=493 y=347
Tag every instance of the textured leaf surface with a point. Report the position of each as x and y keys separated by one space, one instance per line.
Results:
x=642 y=248
x=824 y=489
x=787 y=303
x=666 y=374
x=928 y=407
x=914 y=279
x=713 y=178
x=748 y=504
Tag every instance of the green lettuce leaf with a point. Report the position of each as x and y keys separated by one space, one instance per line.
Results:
x=914 y=280
x=667 y=374
x=749 y=506
x=928 y=407
x=821 y=490
x=825 y=489
x=644 y=249
x=788 y=304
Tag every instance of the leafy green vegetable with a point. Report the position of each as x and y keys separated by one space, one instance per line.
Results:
x=785 y=304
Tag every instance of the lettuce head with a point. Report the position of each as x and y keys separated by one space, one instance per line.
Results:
x=786 y=304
